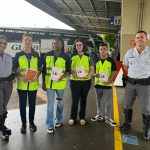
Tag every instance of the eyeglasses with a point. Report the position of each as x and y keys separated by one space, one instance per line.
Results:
x=79 y=45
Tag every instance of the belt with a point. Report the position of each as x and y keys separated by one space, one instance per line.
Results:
x=9 y=78
x=3 y=79
x=145 y=81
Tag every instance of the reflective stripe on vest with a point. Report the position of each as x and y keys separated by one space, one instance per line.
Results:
x=23 y=66
x=59 y=63
x=105 y=67
x=79 y=62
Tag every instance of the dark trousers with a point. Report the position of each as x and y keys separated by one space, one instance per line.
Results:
x=79 y=92
x=5 y=93
x=23 y=102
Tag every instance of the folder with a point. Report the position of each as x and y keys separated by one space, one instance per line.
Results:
x=31 y=74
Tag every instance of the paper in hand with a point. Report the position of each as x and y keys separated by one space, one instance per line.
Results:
x=80 y=71
x=56 y=73
x=103 y=77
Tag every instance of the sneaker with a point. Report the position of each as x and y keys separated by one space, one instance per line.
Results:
x=147 y=135
x=23 y=129
x=50 y=130
x=33 y=127
x=58 y=124
x=111 y=122
x=97 y=118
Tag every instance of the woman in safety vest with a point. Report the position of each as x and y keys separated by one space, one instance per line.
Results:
x=82 y=68
x=27 y=67
x=55 y=70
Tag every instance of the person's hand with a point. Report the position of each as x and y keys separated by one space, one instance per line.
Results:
x=60 y=78
x=96 y=75
x=22 y=78
x=107 y=82
x=33 y=80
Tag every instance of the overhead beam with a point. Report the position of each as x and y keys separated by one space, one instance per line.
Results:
x=81 y=8
x=84 y=16
x=94 y=11
x=93 y=26
x=70 y=9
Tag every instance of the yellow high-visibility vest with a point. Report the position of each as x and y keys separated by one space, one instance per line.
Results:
x=59 y=63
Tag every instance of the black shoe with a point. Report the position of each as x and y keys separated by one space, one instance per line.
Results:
x=23 y=129
x=125 y=126
x=50 y=130
x=33 y=127
x=4 y=136
x=147 y=135
x=7 y=130
x=58 y=124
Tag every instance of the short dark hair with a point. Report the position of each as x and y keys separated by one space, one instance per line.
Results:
x=141 y=31
x=3 y=37
x=104 y=44
x=27 y=34
x=84 y=45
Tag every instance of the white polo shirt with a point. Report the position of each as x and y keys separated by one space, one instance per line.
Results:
x=138 y=64
x=6 y=63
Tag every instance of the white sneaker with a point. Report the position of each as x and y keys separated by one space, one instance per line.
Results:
x=97 y=118
x=50 y=130
x=111 y=122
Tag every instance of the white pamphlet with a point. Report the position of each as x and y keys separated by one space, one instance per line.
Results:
x=80 y=72
x=103 y=76
x=56 y=73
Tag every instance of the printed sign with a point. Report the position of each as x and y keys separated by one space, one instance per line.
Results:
x=129 y=139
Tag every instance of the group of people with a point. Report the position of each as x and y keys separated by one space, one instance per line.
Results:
x=80 y=68
x=57 y=66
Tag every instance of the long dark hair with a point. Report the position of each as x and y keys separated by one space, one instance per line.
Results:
x=84 y=45
x=62 y=42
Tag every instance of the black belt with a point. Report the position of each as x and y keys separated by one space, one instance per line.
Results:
x=9 y=78
x=145 y=81
x=3 y=79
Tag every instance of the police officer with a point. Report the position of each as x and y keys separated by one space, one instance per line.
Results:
x=137 y=62
x=55 y=70
x=6 y=86
x=27 y=59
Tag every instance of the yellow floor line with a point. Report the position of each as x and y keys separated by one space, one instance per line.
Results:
x=42 y=96
x=117 y=133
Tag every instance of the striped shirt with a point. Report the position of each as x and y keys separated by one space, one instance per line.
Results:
x=6 y=62
x=138 y=63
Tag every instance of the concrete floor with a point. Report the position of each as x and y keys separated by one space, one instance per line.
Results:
x=93 y=136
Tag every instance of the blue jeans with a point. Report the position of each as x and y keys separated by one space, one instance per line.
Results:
x=50 y=121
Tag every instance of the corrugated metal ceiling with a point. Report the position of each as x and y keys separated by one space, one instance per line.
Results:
x=83 y=15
